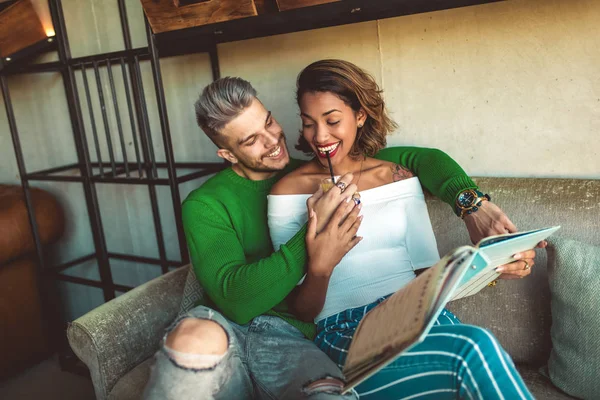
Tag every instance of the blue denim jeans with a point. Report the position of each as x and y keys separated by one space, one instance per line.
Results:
x=266 y=359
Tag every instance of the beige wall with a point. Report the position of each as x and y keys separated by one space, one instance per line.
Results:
x=507 y=89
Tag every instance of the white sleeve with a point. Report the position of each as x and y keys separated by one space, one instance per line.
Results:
x=286 y=214
x=420 y=240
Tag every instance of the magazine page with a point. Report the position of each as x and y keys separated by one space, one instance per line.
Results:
x=394 y=323
x=498 y=250
x=400 y=321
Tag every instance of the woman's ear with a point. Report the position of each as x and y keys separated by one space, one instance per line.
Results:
x=227 y=155
x=361 y=117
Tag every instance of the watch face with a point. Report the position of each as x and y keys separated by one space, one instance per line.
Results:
x=466 y=199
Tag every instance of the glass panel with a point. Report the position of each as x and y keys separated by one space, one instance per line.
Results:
x=77 y=300
x=42 y=120
x=93 y=27
x=127 y=219
x=137 y=24
x=133 y=274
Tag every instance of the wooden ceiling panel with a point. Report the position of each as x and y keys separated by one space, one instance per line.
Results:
x=165 y=15
x=20 y=27
x=285 y=5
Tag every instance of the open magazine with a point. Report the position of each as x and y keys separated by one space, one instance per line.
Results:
x=414 y=309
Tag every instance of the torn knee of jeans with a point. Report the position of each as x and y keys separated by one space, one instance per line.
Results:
x=193 y=362
x=193 y=353
x=326 y=384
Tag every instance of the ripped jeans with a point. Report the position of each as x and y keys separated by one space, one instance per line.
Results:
x=266 y=358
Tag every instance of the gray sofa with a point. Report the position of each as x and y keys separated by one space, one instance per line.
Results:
x=117 y=340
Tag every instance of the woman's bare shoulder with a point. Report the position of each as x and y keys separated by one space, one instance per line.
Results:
x=300 y=181
x=384 y=172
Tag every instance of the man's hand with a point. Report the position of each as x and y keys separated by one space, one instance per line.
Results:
x=327 y=248
x=487 y=221
x=324 y=204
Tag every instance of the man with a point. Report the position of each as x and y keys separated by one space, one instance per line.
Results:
x=254 y=347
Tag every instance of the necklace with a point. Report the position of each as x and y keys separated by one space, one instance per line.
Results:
x=359 y=173
x=356 y=195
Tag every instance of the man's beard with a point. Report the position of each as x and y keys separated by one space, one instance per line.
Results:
x=258 y=166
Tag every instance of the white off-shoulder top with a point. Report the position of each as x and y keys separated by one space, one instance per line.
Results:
x=397 y=240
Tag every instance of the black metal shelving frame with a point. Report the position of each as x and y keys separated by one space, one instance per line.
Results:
x=144 y=169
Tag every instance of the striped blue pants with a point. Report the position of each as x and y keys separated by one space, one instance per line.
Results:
x=455 y=361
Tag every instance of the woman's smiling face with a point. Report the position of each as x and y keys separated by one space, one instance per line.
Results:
x=329 y=124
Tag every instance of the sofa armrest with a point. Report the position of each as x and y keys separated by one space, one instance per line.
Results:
x=115 y=337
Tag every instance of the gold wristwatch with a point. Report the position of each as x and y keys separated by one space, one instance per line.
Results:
x=468 y=201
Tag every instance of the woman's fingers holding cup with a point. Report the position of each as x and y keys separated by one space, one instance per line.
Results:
x=347 y=194
x=311 y=201
x=344 y=181
x=346 y=178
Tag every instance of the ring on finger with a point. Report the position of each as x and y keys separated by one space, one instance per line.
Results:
x=341 y=185
x=527 y=266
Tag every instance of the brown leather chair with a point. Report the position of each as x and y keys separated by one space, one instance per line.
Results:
x=22 y=339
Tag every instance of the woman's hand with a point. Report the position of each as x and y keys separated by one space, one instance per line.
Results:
x=522 y=267
x=489 y=220
x=325 y=251
x=325 y=203
x=327 y=248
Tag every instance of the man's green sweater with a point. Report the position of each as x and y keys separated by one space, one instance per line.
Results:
x=225 y=222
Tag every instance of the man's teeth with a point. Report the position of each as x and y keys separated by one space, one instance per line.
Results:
x=275 y=153
x=328 y=148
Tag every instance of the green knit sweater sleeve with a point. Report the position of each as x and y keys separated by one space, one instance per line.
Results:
x=437 y=171
x=240 y=290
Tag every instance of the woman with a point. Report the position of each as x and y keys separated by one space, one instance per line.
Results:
x=343 y=116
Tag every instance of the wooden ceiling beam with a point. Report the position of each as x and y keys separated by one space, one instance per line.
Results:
x=165 y=15
x=20 y=27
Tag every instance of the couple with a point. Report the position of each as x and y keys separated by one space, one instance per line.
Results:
x=259 y=343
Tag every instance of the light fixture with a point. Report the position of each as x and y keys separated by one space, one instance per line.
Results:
x=43 y=12
x=25 y=29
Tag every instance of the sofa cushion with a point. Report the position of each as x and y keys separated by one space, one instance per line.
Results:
x=539 y=385
x=574 y=277
x=193 y=293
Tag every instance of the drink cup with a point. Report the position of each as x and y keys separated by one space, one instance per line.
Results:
x=326 y=184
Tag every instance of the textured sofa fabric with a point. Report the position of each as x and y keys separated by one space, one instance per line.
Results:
x=116 y=337
x=517 y=312
x=574 y=272
x=541 y=387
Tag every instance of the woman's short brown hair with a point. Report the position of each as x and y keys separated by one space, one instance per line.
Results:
x=357 y=89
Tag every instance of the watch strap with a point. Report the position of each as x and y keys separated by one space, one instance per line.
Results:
x=462 y=211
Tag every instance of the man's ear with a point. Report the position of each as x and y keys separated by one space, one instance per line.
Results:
x=227 y=155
